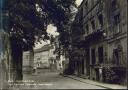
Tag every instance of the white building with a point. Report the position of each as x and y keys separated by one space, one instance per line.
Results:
x=41 y=56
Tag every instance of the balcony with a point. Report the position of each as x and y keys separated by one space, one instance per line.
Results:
x=94 y=36
x=119 y=67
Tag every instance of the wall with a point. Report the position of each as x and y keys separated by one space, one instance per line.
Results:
x=41 y=59
x=27 y=62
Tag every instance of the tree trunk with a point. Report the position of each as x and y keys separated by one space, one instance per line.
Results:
x=17 y=53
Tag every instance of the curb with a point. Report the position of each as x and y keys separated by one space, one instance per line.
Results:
x=75 y=78
x=86 y=82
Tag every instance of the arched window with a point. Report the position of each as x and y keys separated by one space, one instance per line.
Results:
x=117 y=54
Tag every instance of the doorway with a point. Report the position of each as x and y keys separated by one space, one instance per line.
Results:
x=82 y=66
x=88 y=61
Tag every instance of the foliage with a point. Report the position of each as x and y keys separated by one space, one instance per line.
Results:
x=27 y=22
x=28 y=19
x=110 y=75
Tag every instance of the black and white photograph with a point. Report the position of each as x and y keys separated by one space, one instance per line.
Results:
x=63 y=44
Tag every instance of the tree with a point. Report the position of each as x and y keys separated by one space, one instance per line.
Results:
x=27 y=23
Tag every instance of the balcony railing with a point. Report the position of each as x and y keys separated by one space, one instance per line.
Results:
x=94 y=35
x=106 y=65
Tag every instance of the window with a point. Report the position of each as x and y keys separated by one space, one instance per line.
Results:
x=27 y=56
x=100 y=18
x=93 y=24
x=86 y=4
x=100 y=54
x=116 y=23
x=93 y=56
x=87 y=29
x=117 y=19
x=81 y=14
x=114 y=4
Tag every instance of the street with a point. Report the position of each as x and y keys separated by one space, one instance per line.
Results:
x=45 y=79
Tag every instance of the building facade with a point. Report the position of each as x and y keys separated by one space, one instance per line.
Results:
x=62 y=56
x=28 y=61
x=45 y=57
x=41 y=57
x=99 y=39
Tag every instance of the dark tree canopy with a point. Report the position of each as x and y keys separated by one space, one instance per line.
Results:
x=28 y=19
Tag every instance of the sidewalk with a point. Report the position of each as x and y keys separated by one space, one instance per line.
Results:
x=105 y=85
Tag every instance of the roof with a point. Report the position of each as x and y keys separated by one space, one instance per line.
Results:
x=43 y=48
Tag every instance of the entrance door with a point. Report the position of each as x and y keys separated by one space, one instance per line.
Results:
x=97 y=74
x=88 y=61
x=82 y=66
x=116 y=56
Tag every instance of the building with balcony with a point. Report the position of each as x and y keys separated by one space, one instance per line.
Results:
x=99 y=40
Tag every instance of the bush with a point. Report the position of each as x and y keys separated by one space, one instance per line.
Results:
x=110 y=75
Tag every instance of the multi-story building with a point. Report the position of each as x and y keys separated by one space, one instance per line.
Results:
x=99 y=38
x=41 y=57
x=45 y=57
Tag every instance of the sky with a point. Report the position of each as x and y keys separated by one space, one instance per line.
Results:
x=78 y=2
x=52 y=30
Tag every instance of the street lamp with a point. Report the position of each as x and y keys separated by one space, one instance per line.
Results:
x=104 y=34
